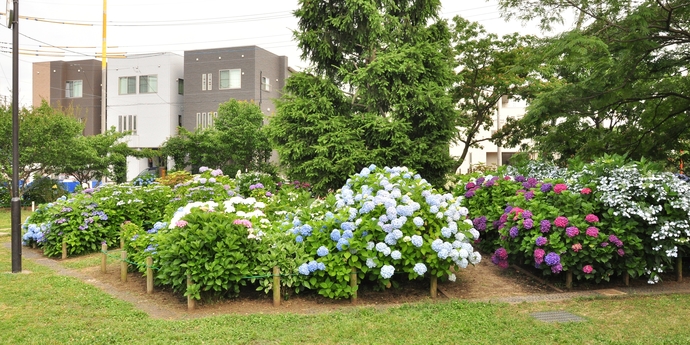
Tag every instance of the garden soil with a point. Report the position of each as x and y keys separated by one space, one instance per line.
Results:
x=482 y=282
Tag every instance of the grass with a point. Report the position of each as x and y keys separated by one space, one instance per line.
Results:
x=6 y=220
x=45 y=308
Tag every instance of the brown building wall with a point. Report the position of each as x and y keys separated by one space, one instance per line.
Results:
x=50 y=80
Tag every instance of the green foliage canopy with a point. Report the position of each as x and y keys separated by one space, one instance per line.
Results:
x=377 y=92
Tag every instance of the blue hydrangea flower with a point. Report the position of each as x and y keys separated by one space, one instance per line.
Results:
x=365 y=172
x=418 y=221
x=347 y=234
x=313 y=266
x=391 y=213
x=335 y=235
x=329 y=215
x=372 y=167
x=159 y=225
x=371 y=263
x=305 y=230
x=390 y=239
x=399 y=222
x=387 y=228
x=443 y=253
x=348 y=226
x=383 y=218
x=436 y=245
x=446 y=232
x=397 y=234
x=367 y=207
x=370 y=245
x=419 y=268
x=417 y=240
x=387 y=271
x=381 y=247
x=343 y=243
x=322 y=251
x=299 y=239
x=404 y=210
x=353 y=213
x=296 y=222
x=303 y=269
x=396 y=255
x=321 y=266
x=433 y=209
x=396 y=194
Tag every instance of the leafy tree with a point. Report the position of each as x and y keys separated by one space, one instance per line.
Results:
x=236 y=141
x=617 y=84
x=96 y=156
x=488 y=68
x=377 y=92
x=45 y=136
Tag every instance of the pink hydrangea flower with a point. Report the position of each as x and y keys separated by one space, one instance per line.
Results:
x=576 y=247
x=561 y=222
x=591 y=218
x=560 y=187
x=592 y=231
x=620 y=252
x=243 y=222
x=587 y=269
x=539 y=256
x=586 y=191
x=181 y=223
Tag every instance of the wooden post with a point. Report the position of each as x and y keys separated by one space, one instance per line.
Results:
x=276 y=286
x=434 y=286
x=190 y=300
x=104 y=257
x=161 y=171
x=122 y=240
x=568 y=279
x=123 y=266
x=149 y=275
x=626 y=278
x=353 y=285
x=33 y=206
x=679 y=269
x=64 y=250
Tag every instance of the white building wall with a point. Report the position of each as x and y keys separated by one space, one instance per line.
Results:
x=488 y=154
x=156 y=113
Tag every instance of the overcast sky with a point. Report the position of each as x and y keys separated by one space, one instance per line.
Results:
x=145 y=26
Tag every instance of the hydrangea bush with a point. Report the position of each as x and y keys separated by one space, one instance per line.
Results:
x=641 y=218
x=383 y=223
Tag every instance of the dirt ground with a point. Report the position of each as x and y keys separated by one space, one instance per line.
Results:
x=484 y=281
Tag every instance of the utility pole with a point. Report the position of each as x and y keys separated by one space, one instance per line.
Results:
x=104 y=73
x=499 y=156
x=15 y=206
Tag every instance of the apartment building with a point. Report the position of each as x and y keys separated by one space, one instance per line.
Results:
x=488 y=153
x=145 y=98
x=213 y=76
x=73 y=86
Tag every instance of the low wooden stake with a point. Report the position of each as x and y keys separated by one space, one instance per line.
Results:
x=679 y=269
x=569 y=279
x=123 y=266
x=276 y=286
x=64 y=250
x=149 y=275
x=104 y=257
x=626 y=278
x=190 y=301
x=353 y=285
x=434 y=287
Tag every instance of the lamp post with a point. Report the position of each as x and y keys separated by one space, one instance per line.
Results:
x=12 y=14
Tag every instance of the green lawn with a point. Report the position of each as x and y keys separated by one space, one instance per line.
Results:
x=45 y=308
x=6 y=221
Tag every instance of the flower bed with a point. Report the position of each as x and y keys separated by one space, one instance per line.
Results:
x=603 y=219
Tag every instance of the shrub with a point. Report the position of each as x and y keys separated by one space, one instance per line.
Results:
x=382 y=222
x=43 y=190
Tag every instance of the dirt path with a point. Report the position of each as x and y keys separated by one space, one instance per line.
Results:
x=481 y=283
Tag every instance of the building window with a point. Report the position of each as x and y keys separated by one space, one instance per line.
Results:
x=180 y=86
x=127 y=85
x=265 y=84
x=127 y=123
x=148 y=84
x=73 y=89
x=210 y=82
x=230 y=79
x=203 y=83
x=205 y=120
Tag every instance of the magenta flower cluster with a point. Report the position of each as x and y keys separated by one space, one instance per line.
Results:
x=561 y=222
x=500 y=258
x=572 y=231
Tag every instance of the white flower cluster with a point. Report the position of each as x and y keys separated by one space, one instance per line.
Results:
x=183 y=211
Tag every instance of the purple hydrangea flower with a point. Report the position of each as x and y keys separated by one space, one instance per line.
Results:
x=541 y=240
x=528 y=223
x=545 y=226
x=552 y=259
x=545 y=187
x=514 y=232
